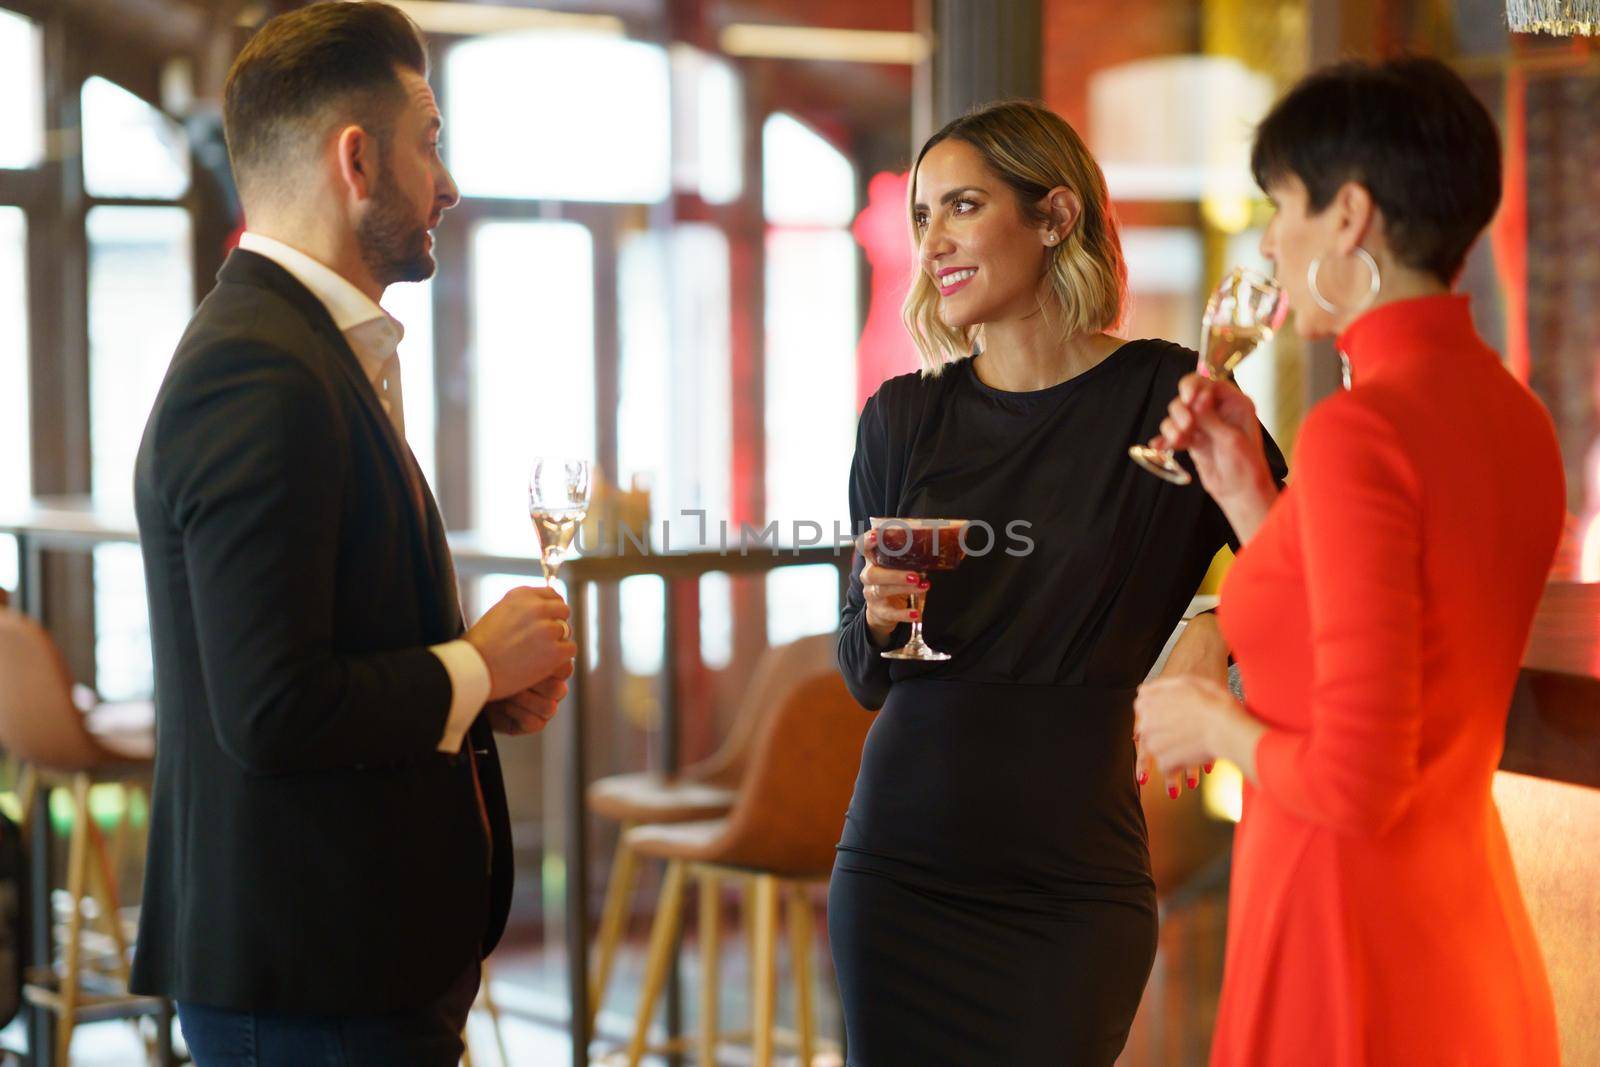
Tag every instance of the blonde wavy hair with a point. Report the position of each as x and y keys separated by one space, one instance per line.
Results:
x=1032 y=150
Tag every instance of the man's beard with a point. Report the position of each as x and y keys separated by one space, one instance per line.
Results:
x=393 y=245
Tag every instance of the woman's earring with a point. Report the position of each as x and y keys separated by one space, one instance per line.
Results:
x=1050 y=239
x=1315 y=267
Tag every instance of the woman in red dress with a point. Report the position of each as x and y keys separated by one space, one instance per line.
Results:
x=1379 y=609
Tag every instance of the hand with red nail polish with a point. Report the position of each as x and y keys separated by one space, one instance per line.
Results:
x=1178 y=722
x=891 y=597
x=1143 y=765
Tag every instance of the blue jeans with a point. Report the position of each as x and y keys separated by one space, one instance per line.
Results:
x=428 y=1037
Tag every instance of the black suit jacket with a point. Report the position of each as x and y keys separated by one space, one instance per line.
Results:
x=310 y=850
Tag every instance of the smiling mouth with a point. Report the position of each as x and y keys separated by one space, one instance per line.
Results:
x=956 y=279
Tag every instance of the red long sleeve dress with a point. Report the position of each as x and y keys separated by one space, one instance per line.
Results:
x=1379 y=617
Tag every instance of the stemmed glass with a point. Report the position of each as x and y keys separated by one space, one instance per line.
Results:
x=1243 y=313
x=558 y=499
x=917 y=545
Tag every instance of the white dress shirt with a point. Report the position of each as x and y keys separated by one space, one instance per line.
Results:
x=374 y=336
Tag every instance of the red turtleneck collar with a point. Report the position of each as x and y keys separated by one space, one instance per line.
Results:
x=1415 y=327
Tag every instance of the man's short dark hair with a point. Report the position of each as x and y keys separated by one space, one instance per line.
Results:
x=301 y=64
x=1408 y=130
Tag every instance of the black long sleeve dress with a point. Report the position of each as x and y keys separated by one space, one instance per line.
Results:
x=991 y=903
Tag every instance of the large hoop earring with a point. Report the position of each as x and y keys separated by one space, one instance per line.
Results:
x=1327 y=305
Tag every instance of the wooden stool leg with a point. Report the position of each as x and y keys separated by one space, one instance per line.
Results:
x=107 y=900
x=77 y=863
x=800 y=944
x=108 y=903
x=119 y=837
x=663 y=939
x=710 y=952
x=613 y=921
x=763 y=969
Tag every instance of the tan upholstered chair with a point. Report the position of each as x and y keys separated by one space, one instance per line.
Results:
x=703 y=790
x=42 y=728
x=780 y=835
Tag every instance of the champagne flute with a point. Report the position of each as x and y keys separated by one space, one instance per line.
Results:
x=917 y=545
x=558 y=499
x=1242 y=314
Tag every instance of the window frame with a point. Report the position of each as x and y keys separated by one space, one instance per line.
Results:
x=56 y=207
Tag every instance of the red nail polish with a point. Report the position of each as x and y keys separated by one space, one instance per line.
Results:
x=1144 y=776
x=1172 y=791
x=915 y=615
x=1208 y=767
x=912 y=578
x=1194 y=783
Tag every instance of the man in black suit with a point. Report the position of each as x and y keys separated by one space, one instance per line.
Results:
x=330 y=855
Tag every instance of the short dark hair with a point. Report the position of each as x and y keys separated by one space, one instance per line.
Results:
x=1407 y=129
x=303 y=62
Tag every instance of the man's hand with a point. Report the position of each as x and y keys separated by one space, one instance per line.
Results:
x=531 y=710
x=524 y=640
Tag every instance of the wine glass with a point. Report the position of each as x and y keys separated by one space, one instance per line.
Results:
x=558 y=499
x=1242 y=314
x=917 y=545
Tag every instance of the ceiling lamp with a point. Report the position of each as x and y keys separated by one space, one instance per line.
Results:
x=761 y=41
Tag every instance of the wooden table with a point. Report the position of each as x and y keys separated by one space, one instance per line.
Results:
x=75 y=524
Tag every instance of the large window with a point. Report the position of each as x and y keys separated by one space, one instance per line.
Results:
x=708 y=125
x=593 y=122
x=141 y=293
x=805 y=180
x=22 y=89
x=811 y=326
x=412 y=304
x=129 y=148
x=21 y=146
x=533 y=361
x=674 y=420
x=140 y=299
x=14 y=467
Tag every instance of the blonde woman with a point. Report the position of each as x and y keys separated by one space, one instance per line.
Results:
x=992 y=904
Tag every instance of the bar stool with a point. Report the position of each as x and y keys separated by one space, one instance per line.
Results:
x=703 y=790
x=485 y=1003
x=780 y=835
x=41 y=727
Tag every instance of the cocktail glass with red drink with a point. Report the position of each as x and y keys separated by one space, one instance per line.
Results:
x=923 y=545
